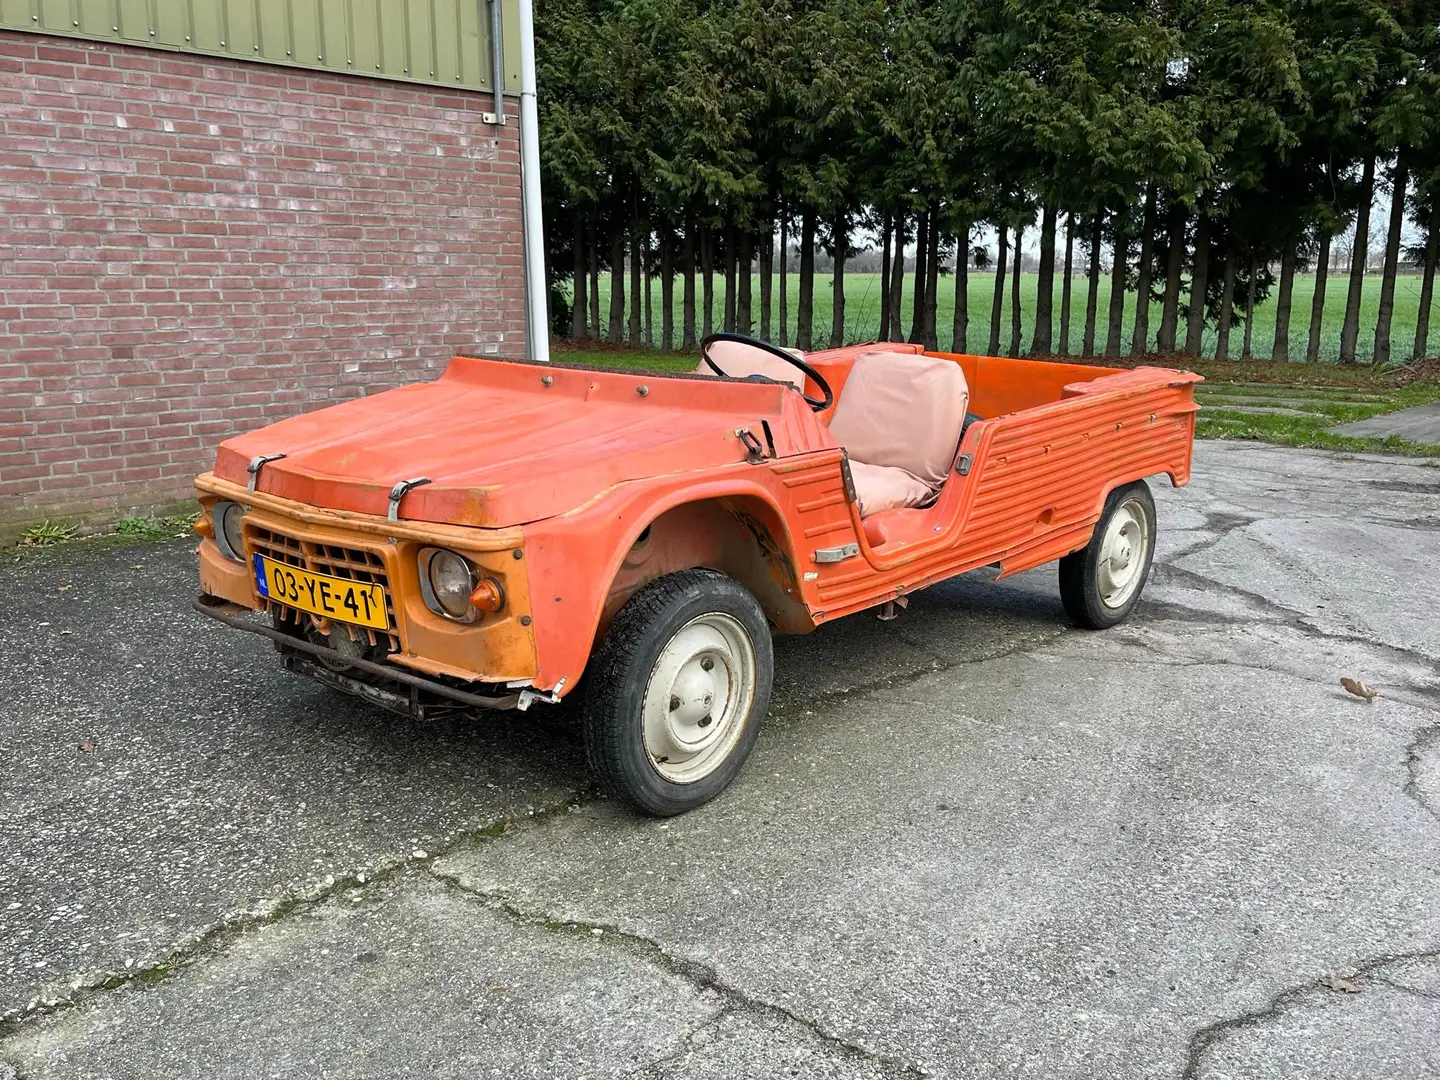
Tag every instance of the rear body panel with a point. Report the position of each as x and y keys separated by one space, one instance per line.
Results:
x=550 y=477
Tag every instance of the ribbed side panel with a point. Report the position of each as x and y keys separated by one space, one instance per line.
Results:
x=1036 y=488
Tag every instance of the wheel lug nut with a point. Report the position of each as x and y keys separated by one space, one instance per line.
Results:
x=707 y=663
x=674 y=703
x=706 y=721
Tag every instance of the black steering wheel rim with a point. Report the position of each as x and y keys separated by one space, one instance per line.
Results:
x=817 y=404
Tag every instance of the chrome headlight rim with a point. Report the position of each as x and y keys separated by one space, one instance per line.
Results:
x=228 y=514
x=426 y=559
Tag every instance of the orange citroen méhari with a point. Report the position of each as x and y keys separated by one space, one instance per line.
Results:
x=486 y=539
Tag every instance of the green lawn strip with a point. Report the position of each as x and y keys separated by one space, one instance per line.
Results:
x=1301 y=431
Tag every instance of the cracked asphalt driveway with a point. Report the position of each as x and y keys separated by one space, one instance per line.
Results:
x=970 y=843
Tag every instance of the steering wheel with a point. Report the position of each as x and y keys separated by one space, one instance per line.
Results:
x=818 y=404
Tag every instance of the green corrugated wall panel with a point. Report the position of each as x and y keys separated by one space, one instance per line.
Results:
x=446 y=42
x=332 y=30
x=98 y=17
x=207 y=26
x=420 y=40
x=274 y=34
x=135 y=21
x=242 y=32
x=54 y=15
x=365 y=31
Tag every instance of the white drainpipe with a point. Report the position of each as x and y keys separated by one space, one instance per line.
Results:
x=537 y=317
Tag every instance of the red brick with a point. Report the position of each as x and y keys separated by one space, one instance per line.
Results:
x=215 y=263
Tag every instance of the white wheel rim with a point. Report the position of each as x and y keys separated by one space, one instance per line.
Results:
x=1124 y=553
x=700 y=692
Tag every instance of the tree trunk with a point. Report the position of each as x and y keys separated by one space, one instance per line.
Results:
x=637 y=260
x=1427 y=288
x=745 y=256
x=997 y=305
x=1140 y=338
x=767 y=271
x=1092 y=297
x=1350 y=331
x=1317 y=302
x=649 y=292
x=960 y=330
x=1280 y=349
x=917 y=292
x=837 y=283
x=1392 y=263
x=1016 y=264
x=707 y=282
x=1199 y=286
x=805 y=328
x=1120 y=243
x=784 y=276
x=667 y=293
x=897 y=282
x=1041 y=343
x=1066 y=285
x=594 y=251
x=617 y=290
x=1174 y=268
x=578 y=306
x=687 y=262
x=1227 y=309
x=932 y=280
x=1249 y=310
x=884 y=277
x=729 y=323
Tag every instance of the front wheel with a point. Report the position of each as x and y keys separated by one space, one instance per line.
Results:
x=1101 y=583
x=680 y=684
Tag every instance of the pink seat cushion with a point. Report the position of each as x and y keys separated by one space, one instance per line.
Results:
x=878 y=487
x=903 y=411
x=740 y=361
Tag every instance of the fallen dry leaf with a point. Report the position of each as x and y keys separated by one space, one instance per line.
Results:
x=1339 y=985
x=1360 y=690
x=85 y=746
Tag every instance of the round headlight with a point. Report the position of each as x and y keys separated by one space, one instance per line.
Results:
x=228 y=535
x=451 y=583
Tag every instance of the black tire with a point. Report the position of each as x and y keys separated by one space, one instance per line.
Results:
x=619 y=680
x=1080 y=577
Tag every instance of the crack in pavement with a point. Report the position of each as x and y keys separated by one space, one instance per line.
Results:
x=83 y=987
x=699 y=975
x=1201 y=1041
x=1283 y=615
x=938 y=665
x=1413 y=991
x=1223 y=523
x=687 y=1045
x=1426 y=739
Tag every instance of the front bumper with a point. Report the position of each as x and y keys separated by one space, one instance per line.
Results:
x=400 y=691
x=497 y=648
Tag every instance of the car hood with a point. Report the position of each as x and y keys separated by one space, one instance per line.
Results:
x=505 y=442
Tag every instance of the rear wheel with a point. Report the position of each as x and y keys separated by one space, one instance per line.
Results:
x=1101 y=583
x=679 y=686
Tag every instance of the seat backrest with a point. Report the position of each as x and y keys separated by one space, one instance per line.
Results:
x=904 y=411
x=740 y=361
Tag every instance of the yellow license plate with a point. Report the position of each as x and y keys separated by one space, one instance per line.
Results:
x=335 y=598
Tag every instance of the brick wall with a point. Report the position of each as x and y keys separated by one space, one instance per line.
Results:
x=193 y=247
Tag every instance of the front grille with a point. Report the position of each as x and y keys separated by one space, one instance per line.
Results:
x=357 y=564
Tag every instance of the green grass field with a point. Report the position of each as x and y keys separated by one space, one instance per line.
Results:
x=1286 y=404
x=862 y=314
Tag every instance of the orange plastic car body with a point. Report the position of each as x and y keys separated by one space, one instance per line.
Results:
x=571 y=487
